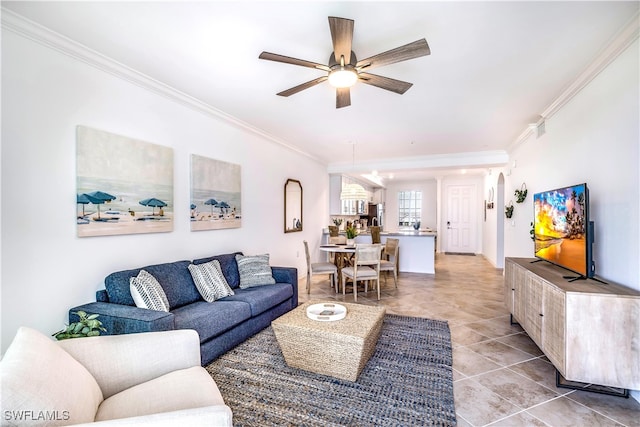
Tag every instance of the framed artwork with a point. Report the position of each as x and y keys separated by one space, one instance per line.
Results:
x=123 y=185
x=215 y=194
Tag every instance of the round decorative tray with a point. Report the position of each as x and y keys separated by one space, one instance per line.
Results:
x=326 y=312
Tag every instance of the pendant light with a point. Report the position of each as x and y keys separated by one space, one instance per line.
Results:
x=353 y=191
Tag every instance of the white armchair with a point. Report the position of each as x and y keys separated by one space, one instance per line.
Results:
x=152 y=378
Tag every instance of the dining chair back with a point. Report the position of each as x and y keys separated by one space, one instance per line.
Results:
x=338 y=240
x=366 y=267
x=375 y=234
x=390 y=259
x=317 y=268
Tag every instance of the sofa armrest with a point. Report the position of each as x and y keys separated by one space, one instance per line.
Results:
x=219 y=415
x=124 y=319
x=287 y=275
x=118 y=362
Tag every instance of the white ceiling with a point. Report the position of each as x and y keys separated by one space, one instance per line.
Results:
x=494 y=67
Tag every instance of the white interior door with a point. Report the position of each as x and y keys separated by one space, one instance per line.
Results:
x=460 y=218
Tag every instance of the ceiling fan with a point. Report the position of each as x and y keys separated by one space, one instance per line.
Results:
x=344 y=69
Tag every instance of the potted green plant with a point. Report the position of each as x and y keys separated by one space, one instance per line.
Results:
x=508 y=210
x=351 y=234
x=86 y=326
x=521 y=194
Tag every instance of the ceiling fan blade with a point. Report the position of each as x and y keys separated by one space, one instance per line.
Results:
x=341 y=35
x=343 y=97
x=302 y=87
x=409 y=51
x=397 y=86
x=294 y=61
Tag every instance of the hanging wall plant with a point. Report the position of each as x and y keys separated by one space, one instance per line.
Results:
x=508 y=210
x=521 y=194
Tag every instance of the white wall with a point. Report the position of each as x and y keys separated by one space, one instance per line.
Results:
x=429 y=202
x=594 y=139
x=46 y=269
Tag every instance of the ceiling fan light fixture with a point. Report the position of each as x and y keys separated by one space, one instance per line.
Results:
x=343 y=77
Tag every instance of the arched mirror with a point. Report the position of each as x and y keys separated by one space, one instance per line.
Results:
x=292 y=206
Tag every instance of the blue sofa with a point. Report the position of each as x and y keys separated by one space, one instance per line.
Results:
x=222 y=324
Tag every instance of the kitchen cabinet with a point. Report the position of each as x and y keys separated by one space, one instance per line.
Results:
x=354 y=207
x=335 y=187
x=344 y=207
x=378 y=196
x=585 y=328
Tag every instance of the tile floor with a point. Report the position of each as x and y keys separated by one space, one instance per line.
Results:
x=501 y=378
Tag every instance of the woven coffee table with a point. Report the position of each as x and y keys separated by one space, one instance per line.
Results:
x=339 y=349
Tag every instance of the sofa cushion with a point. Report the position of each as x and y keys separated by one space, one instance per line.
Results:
x=147 y=292
x=182 y=389
x=254 y=271
x=174 y=277
x=40 y=378
x=228 y=266
x=262 y=298
x=210 y=319
x=210 y=281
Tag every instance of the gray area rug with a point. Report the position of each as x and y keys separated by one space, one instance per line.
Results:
x=407 y=382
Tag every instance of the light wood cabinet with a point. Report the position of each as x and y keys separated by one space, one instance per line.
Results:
x=588 y=330
x=553 y=333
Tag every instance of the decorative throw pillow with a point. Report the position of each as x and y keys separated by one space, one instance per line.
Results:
x=147 y=292
x=254 y=271
x=210 y=281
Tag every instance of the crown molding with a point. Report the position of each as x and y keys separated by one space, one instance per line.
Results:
x=626 y=36
x=37 y=33
x=437 y=161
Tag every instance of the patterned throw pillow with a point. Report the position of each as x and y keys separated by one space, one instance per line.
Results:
x=210 y=281
x=147 y=292
x=254 y=271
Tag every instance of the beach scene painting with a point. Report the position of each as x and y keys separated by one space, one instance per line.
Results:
x=123 y=185
x=215 y=194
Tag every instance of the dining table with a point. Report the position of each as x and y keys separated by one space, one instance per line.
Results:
x=342 y=256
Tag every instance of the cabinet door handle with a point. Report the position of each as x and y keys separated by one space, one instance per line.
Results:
x=541 y=315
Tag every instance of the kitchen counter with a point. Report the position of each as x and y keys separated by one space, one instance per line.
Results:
x=417 y=248
x=409 y=233
x=421 y=232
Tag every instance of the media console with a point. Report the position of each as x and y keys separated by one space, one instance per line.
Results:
x=588 y=330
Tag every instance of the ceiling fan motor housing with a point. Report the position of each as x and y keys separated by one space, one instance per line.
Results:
x=333 y=62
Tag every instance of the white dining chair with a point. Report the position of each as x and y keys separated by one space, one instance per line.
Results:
x=317 y=268
x=366 y=267
x=390 y=259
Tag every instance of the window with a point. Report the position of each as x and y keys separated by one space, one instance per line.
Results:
x=409 y=207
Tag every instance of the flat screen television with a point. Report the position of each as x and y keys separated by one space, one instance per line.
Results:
x=563 y=234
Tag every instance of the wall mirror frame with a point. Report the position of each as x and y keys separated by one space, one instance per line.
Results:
x=292 y=206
